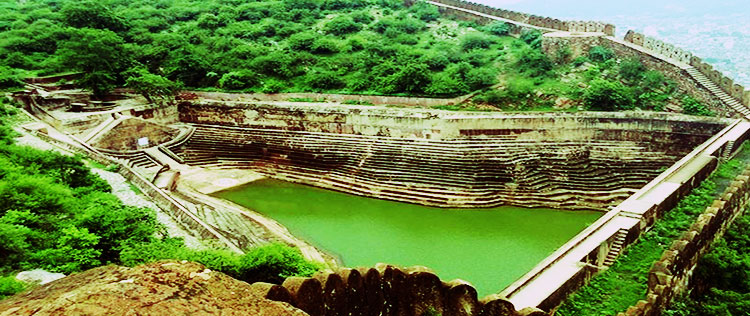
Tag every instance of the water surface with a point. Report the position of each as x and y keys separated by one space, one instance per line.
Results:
x=490 y=248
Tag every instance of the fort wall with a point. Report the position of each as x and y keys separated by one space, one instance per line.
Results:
x=670 y=276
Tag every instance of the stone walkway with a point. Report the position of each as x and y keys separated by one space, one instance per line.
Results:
x=120 y=188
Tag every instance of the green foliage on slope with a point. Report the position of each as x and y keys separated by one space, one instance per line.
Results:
x=57 y=215
x=626 y=282
x=369 y=46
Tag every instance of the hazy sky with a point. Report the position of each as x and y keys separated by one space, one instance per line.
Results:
x=717 y=31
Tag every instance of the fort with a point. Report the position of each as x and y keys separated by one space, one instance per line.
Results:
x=630 y=166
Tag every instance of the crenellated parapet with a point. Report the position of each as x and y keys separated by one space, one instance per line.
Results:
x=671 y=275
x=546 y=24
x=386 y=290
x=669 y=51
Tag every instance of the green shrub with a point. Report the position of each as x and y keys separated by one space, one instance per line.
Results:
x=563 y=54
x=273 y=85
x=579 y=61
x=534 y=63
x=446 y=84
x=600 y=54
x=302 y=41
x=9 y=286
x=342 y=25
x=9 y=79
x=632 y=69
x=425 y=12
x=271 y=263
x=498 y=28
x=362 y=17
x=476 y=41
x=325 y=45
x=605 y=95
x=532 y=37
x=324 y=80
x=478 y=78
x=692 y=106
x=239 y=80
x=652 y=80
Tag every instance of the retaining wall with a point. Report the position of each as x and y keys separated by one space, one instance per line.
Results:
x=670 y=276
x=386 y=291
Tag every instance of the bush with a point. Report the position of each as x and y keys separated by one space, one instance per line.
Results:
x=342 y=25
x=274 y=86
x=632 y=69
x=498 y=28
x=271 y=263
x=9 y=286
x=302 y=41
x=605 y=95
x=476 y=41
x=9 y=79
x=579 y=61
x=446 y=84
x=362 y=17
x=534 y=63
x=478 y=78
x=239 y=80
x=600 y=54
x=325 y=45
x=532 y=37
x=425 y=12
x=652 y=80
x=692 y=106
x=324 y=80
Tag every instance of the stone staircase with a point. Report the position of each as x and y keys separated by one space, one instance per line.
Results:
x=617 y=246
x=728 y=150
x=725 y=98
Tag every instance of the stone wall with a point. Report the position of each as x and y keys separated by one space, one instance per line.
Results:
x=543 y=23
x=669 y=51
x=443 y=158
x=386 y=291
x=671 y=275
x=661 y=128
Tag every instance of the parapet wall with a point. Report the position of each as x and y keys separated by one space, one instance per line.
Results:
x=539 y=22
x=671 y=275
x=670 y=51
x=386 y=291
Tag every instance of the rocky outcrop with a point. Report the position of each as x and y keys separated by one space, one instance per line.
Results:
x=162 y=288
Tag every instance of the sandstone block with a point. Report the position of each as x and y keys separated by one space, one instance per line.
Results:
x=461 y=299
x=307 y=294
x=495 y=305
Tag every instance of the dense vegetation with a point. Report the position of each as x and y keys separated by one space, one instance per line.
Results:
x=722 y=280
x=366 y=46
x=599 y=81
x=343 y=46
x=57 y=215
x=625 y=282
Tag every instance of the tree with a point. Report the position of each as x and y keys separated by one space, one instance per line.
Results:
x=155 y=88
x=476 y=41
x=99 y=54
x=92 y=14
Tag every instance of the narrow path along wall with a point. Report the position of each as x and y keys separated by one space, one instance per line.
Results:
x=671 y=275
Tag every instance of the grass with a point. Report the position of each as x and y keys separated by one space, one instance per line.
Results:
x=626 y=282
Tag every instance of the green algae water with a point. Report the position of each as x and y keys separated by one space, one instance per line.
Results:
x=490 y=248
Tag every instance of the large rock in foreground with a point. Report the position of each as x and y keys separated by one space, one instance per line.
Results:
x=162 y=288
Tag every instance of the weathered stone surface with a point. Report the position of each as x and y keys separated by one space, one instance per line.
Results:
x=495 y=305
x=461 y=299
x=161 y=288
x=307 y=294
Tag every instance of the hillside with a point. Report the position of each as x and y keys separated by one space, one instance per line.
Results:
x=335 y=46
